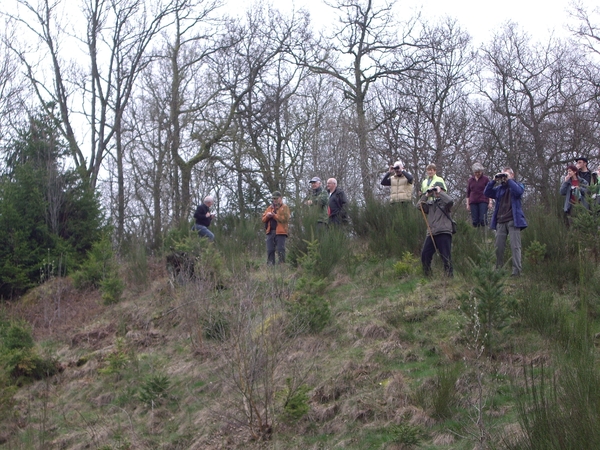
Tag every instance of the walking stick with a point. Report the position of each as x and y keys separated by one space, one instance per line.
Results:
x=428 y=227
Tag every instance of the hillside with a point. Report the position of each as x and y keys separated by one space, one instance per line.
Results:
x=241 y=355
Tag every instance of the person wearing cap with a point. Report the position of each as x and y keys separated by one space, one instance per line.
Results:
x=477 y=203
x=432 y=178
x=318 y=199
x=400 y=182
x=574 y=188
x=508 y=219
x=336 y=209
x=203 y=217
x=276 y=218
x=582 y=171
x=436 y=205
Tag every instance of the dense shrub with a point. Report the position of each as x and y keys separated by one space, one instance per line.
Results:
x=19 y=359
x=47 y=213
x=391 y=230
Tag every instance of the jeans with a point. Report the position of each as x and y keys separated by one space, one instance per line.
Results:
x=203 y=231
x=479 y=214
x=443 y=243
x=275 y=242
x=504 y=230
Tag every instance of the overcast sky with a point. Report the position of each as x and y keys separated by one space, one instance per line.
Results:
x=479 y=18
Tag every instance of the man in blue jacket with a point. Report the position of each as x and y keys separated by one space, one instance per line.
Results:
x=508 y=219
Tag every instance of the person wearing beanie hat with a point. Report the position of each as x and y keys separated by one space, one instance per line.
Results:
x=276 y=218
x=477 y=203
x=317 y=199
x=400 y=182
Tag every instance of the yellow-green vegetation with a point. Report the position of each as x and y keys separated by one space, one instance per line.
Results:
x=364 y=355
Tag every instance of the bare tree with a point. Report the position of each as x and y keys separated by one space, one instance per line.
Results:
x=270 y=115
x=12 y=91
x=533 y=88
x=365 y=49
x=425 y=119
x=117 y=35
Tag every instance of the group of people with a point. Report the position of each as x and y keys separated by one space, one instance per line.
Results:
x=577 y=184
x=330 y=205
x=502 y=194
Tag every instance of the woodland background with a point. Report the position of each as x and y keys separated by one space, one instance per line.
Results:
x=120 y=329
x=151 y=105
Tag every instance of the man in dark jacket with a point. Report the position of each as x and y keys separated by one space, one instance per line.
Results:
x=508 y=219
x=203 y=217
x=582 y=171
x=436 y=205
x=337 y=203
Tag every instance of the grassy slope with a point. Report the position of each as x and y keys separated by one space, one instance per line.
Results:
x=395 y=366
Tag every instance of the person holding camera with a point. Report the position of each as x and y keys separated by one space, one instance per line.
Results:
x=508 y=219
x=574 y=188
x=400 y=182
x=435 y=205
x=276 y=218
x=203 y=216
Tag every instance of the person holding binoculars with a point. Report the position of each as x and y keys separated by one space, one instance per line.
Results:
x=400 y=182
x=508 y=219
x=435 y=205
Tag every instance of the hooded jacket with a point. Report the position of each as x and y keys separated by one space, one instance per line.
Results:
x=438 y=213
x=497 y=192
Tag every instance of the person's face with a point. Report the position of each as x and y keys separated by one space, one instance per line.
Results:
x=315 y=184
x=580 y=164
x=330 y=186
x=398 y=170
x=277 y=200
x=478 y=173
x=209 y=203
x=570 y=173
x=431 y=172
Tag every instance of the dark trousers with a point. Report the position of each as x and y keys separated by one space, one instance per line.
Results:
x=275 y=242
x=479 y=214
x=443 y=243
